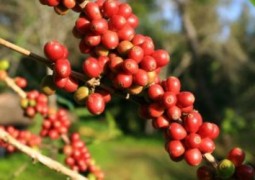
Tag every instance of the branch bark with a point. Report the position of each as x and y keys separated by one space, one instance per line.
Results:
x=50 y=163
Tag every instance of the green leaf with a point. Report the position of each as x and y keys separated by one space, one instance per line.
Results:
x=253 y=2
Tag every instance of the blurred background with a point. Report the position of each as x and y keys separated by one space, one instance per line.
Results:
x=212 y=48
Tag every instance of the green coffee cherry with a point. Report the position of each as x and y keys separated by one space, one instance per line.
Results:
x=24 y=102
x=226 y=169
x=4 y=65
x=81 y=94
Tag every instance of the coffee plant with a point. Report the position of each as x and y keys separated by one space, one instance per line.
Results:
x=119 y=62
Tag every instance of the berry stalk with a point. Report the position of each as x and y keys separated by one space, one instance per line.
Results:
x=35 y=155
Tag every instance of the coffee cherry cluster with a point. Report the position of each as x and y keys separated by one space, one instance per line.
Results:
x=172 y=111
x=34 y=102
x=232 y=167
x=128 y=61
x=55 y=124
x=61 y=7
x=61 y=78
x=79 y=159
x=23 y=136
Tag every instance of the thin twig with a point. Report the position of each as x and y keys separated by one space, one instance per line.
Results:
x=52 y=164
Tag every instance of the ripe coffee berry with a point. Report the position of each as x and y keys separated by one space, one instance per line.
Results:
x=148 y=63
x=110 y=8
x=207 y=145
x=236 y=155
x=193 y=157
x=162 y=57
x=210 y=130
x=192 y=122
x=95 y=103
x=245 y=171
x=21 y=82
x=172 y=84
x=176 y=131
x=155 y=92
x=110 y=39
x=205 y=173
x=169 y=99
x=91 y=67
x=141 y=78
x=99 y=26
x=62 y=68
x=192 y=140
x=54 y=50
x=185 y=99
x=92 y=11
x=175 y=148
x=123 y=80
x=160 y=122
x=130 y=66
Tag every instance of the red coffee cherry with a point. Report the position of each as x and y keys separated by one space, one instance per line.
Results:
x=169 y=99
x=126 y=33
x=69 y=3
x=185 y=99
x=174 y=113
x=91 y=67
x=99 y=26
x=115 y=63
x=207 y=145
x=71 y=85
x=175 y=148
x=54 y=50
x=141 y=78
x=210 y=130
x=136 y=53
x=205 y=173
x=92 y=11
x=110 y=39
x=130 y=66
x=91 y=40
x=162 y=57
x=155 y=110
x=110 y=8
x=133 y=20
x=117 y=22
x=82 y=25
x=52 y=2
x=155 y=92
x=193 y=157
x=192 y=122
x=172 y=84
x=160 y=122
x=21 y=82
x=245 y=171
x=176 y=131
x=95 y=103
x=123 y=80
x=236 y=155
x=148 y=63
x=125 y=10
x=192 y=140
x=59 y=81
x=106 y=95
x=138 y=39
x=147 y=46
x=62 y=68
